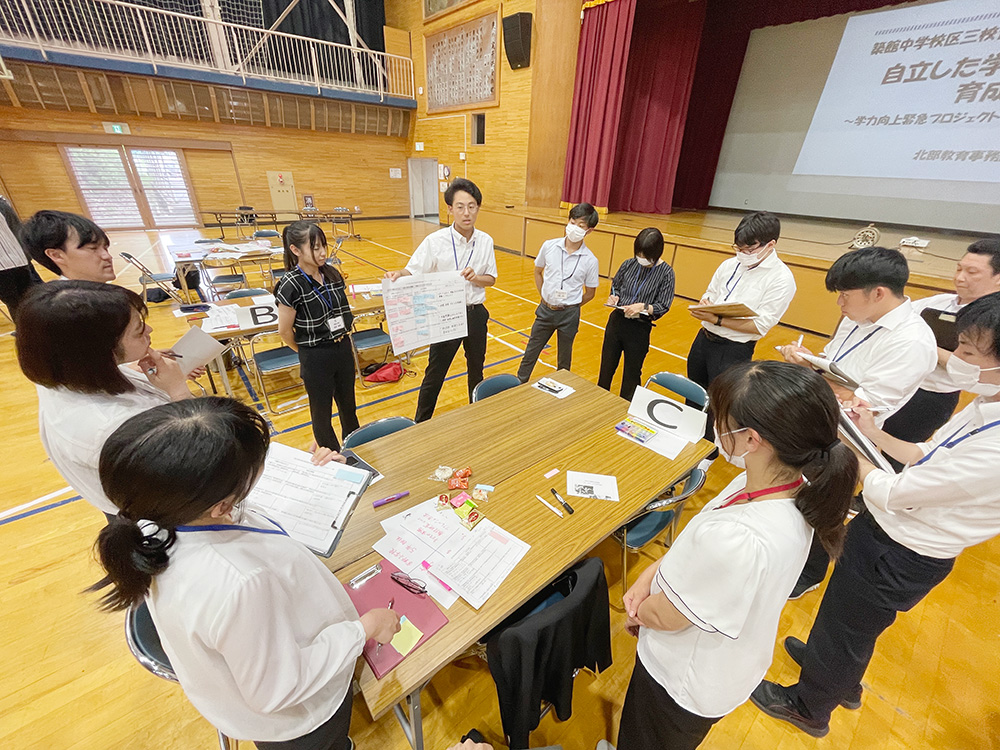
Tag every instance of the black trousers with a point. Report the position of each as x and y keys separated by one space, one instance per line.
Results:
x=331 y=735
x=652 y=720
x=874 y=579
x=442 y=354
x=14 y=282
x=327 y=370
x=628 y=336
x=709 y=357
x=915 y=422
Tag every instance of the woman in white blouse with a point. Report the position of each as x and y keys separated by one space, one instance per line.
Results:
x=261 y=634
x=707 y=613
x=86 y=347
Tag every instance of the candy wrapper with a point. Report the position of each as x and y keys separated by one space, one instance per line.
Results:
x=480 y=496
x=464 y=473
x=441 y=474
x=458 y=483
x=472 y=519
x=460 y=499
x=443 y=502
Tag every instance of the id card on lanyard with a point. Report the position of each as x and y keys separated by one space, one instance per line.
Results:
x=336 y=322
x=952 y=441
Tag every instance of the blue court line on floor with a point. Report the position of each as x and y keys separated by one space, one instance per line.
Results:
x=35 y=511
x=404 y=393
x=513 y=330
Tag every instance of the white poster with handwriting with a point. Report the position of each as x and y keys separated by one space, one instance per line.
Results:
x=425 y=309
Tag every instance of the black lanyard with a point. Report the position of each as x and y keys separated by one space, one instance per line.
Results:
x=733 y=289
x=562 y=268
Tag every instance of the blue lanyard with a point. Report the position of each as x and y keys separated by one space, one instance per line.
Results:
x=730 y=290
x=454 y=250
x=950 y=443
x=322 y=291
x=838 y=356
x=638 y=287
x=562 y=270
x=234 y=527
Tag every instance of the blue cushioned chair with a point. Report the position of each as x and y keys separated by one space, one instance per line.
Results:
x=237 y=293
x=267 y=234
x=494 y=385
x=144 y=643
x=681 y=386
x=374 y=430
x=270 y=362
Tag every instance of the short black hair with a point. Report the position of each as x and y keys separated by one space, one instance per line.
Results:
x=585 y=211
x=982 y=316
x=68 y=334
x=759 y=227
x=468 y=186
x=988 y=246
x=649 y=243
x=868 y=268
x=51 y=229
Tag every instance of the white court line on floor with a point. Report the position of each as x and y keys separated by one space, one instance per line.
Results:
x=37 y=501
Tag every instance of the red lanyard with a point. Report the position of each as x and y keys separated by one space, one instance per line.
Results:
x=735 y=498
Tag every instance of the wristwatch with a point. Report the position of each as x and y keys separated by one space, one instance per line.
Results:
x=718 y=320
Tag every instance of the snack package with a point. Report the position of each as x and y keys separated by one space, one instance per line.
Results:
x=443 y=502
x=458 y=483
x=441 y=474
x=460 y=498
x=463 y=473
x=480 y=496
x=474 y=517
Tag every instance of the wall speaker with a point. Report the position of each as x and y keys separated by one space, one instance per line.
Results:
x=517 y=39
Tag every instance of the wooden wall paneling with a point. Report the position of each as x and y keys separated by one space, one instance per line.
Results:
x=214 y=179
x=506 y=229
x=36 y=177
x=812 y=307
x=397 y=41
x=555 y=38
x=535 y=233
x=693 y=268
x=624 y=249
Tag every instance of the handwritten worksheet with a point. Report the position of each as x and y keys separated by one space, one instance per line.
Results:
x=311 y=503
x=425 y=309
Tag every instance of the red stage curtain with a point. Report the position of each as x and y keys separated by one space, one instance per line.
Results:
x=597 y=98
x=728 y=24
x=654 y=108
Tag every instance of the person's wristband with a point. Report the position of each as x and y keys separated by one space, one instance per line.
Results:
x=718 y=320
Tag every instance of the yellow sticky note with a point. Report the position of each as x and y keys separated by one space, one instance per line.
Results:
x=406 y=638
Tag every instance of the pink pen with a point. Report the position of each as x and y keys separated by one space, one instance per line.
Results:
x=390 y=499
x=427 y=566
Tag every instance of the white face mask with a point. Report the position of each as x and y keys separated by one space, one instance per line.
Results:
x=644 y=262
x=749 y=259
x=740 y=461
x=966 y=376
x=575 y=233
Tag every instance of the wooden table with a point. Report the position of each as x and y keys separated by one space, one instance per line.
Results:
x=242 y=218
x=510 y=440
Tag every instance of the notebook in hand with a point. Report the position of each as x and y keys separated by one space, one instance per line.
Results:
x=376 y=591
x=943 y=325
x=726 y=310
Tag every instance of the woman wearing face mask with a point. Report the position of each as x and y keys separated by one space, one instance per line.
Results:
x=641 y=292
x=315 y=320
x=85 y=345
x=707 y=613
x=905 y=540
x=262 y=636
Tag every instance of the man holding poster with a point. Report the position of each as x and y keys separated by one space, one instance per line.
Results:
x=463 y=248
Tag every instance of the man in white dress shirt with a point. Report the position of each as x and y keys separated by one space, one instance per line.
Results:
x=16 y=272
x=881 y=343
x=758 y=278
x=71 y=246
x=977 y=274
x=566 y=275
x=905 y=541
x=463 y=248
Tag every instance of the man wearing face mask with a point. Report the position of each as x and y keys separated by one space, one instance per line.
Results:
x=905 y=541
x=566 y=275
x=758 y=278
x=880 y=343
x=977 y=274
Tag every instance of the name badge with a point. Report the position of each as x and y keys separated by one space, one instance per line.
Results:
x=559 y=295
x=336 y=323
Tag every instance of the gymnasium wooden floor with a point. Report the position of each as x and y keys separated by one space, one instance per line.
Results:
x=67 y=680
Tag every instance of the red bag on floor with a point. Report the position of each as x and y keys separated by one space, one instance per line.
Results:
x=388 y=373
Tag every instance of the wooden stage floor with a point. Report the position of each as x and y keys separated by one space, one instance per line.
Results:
x=69 y=682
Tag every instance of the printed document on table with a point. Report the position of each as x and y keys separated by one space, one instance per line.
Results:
x=425 y=309
x=596 y=486
x=311 y=503
x=220 y=317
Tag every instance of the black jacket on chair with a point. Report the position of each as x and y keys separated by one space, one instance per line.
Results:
x=533 y=659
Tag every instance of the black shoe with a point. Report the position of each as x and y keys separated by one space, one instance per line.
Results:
x=774 y=700
x=801 y=589
x=797 y=650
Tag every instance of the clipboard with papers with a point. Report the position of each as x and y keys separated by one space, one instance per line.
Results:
x=831 y=370
x=726 y=310
x=942 y=325
x=864 y=446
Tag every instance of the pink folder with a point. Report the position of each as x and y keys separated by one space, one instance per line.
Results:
x=420 y=609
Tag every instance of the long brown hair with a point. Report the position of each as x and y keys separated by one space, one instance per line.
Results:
x=795 y=411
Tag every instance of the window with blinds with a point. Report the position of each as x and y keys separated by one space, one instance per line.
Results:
x=105 y=187
x=162 y=179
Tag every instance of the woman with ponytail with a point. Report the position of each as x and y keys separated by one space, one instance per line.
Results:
x=262 y=636
x=707 y=613
x=315 y=320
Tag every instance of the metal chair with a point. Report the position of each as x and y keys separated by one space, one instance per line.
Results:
x=270 y=362
x=144 y=643
x=366 y=339
x=494 y=385
x=662 y=513
x=266 y=234
x=681 y=386
x=374 y=430
x=238 y=293
x=146 y=277
x=220 y=283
